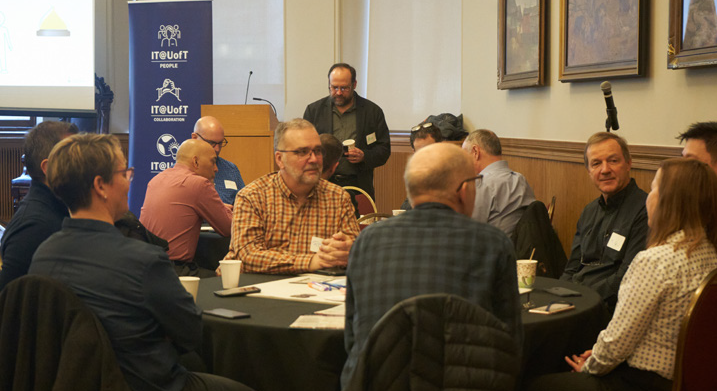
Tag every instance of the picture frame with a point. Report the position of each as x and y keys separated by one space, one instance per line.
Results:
x=521 y=44
x=603 y=39
x=692 y=41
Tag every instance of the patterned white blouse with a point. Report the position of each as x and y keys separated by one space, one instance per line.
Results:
x=653 y=299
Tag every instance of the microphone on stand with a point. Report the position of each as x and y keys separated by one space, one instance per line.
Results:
x=246 y=96
x=272 y=105
x=611 y=121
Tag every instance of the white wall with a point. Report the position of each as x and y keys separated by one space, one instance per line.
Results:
x=311 y=49
x=112 y=57
x=651 y=110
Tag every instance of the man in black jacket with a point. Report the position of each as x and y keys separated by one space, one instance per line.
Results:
x=40 y=213
x=612 y=229
x=348 y=116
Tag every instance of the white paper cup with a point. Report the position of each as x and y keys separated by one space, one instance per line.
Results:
x=191 y=284
x=231 y=270
x=526 y=273
x=349 y=144
x=397 y=212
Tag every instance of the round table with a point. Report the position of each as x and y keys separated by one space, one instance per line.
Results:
x=549 y=338
x=264 y=353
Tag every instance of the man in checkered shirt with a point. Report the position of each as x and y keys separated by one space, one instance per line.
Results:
x=292 y=221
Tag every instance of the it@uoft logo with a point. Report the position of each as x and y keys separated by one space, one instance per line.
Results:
x=169 y=34
x=168 y=112
x=167 y=146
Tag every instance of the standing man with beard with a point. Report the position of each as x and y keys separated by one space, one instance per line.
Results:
x=277 y=217
x=348 y=116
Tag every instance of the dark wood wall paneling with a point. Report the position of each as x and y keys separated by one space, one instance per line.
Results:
x=553 y=168
x=10 y=167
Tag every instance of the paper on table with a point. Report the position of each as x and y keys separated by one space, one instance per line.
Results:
x=318 y=322
x=288 y=289
x=339 y=310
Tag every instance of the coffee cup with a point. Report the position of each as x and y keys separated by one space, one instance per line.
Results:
x=526 y=273
x=348 y=145
x=191 y=284
x=231 y=271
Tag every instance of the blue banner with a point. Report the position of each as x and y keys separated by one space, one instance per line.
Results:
x=170 y=77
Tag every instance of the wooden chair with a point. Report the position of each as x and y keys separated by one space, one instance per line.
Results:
x=695 y=360
x=365 y=220
x=364 y=201
x=551 y=209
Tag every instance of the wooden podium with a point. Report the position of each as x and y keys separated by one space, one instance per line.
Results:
x=250 y=132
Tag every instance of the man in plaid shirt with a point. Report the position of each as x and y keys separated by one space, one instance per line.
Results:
x=279 y=216
x=434 y=248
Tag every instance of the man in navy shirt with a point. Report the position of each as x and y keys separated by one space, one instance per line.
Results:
x=228 y=180
x=40 y=213
x=129 y=285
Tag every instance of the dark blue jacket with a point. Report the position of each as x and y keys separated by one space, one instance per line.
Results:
x=39 y=215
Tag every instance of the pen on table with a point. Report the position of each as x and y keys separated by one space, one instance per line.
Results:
x=319 y=286
x=335 y=285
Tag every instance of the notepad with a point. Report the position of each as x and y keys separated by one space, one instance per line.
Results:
x=318 y=322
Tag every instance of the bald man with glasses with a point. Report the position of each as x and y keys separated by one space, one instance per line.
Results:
x=434 y=248
x=228 y=180
x=292 y=221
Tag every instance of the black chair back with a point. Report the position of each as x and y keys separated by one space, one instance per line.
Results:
x=49 y=340
x=437 y=342
x=534 y=231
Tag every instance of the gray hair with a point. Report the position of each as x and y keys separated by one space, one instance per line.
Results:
x=282 y=127
x=486 y=140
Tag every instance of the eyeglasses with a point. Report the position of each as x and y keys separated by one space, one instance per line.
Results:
x=477 y=178
x=342 y=89
x=304 y=152
x=128 y=173
x=221 y=144
x=421 y=126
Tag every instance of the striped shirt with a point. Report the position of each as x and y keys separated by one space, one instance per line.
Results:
x=271 y=233
x=652 y=302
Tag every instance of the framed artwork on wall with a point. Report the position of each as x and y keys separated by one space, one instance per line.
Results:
x=693 y=34
x=521 y=43
x=601 y=39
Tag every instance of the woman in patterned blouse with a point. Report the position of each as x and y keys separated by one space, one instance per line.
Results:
x=637 y=349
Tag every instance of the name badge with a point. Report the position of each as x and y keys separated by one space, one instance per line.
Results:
x=315 y=244
x=230 y=184
x=371 y=138
x=616 y=241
